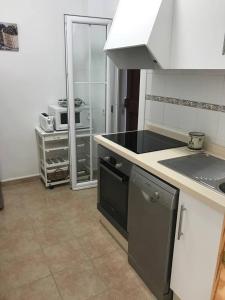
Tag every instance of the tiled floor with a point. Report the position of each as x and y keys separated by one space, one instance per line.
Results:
x=52 y=247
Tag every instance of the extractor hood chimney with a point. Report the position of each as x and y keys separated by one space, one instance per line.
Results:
x=140 y=35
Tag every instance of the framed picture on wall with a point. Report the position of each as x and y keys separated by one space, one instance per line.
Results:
x=9 y=37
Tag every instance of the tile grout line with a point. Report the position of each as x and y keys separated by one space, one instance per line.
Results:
x=50 y=271
x=94 y=271
x=26 y=284
x=51 y=274
x=58 y=289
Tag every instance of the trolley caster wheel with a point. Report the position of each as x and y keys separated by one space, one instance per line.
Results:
x=51 y=187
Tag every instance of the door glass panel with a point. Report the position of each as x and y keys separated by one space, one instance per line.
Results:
x=83 y=158
x=89 y=85
x=80 y=52
x=98 y=57
x=81 y=75
x=80 y=90
x=98 y=98
x=98 y=78
x=94 y=159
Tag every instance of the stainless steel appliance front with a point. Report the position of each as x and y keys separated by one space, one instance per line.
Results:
x=152 y=212
x=113 y=174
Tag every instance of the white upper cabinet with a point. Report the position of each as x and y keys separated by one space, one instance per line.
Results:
x=198 y=34
x=140 y=34
x=168 y=34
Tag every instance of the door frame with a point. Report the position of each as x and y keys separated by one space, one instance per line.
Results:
x=142 y=96
x=69 y=20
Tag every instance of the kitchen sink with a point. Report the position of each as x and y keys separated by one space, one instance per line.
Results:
x=202 y=167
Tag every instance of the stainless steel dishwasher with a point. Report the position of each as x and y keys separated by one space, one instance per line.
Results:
x=152 y=211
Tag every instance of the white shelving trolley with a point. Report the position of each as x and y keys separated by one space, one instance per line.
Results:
x=53 y=157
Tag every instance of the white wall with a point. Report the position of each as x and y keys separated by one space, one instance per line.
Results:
x=35 y=76
x=196 y=86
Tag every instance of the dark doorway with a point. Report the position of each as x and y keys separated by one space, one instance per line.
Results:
x=132 y=99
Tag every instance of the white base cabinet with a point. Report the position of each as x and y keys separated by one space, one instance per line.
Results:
x=197 y=240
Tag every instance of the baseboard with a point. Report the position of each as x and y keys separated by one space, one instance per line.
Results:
x=12 y=181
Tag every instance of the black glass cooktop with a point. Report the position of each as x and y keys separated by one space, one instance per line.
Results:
x=143 y=141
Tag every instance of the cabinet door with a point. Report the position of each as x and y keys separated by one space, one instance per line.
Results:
x=198 y=34
x=220 y=291
x=197 y=241
x=219 y=285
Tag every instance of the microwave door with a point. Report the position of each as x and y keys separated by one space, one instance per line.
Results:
x=82 y=118
x=64 y=118
x=78 y=119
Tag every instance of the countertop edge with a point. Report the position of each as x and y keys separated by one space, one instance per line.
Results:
x=201 y=192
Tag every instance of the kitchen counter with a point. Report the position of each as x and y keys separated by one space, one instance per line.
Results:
x=149 y=162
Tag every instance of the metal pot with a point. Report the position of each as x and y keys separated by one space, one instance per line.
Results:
x=78 y=102
x=196 y=140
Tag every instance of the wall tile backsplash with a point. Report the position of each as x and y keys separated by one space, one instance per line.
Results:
x=185 y=102
x=205 y=91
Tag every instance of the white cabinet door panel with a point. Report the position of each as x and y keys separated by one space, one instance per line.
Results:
x=198 y=34
x=195 y=253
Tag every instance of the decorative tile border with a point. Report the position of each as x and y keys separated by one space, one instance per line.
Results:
x=189 y=103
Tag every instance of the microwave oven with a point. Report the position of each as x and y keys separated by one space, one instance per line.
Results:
x=60 y=114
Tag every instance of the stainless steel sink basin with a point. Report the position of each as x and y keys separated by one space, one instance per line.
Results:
x=201 y=167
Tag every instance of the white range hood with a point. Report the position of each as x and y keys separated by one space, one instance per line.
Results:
x=140 y=36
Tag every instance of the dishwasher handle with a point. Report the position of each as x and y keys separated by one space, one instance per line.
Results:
x=154 y=197
x=180 y=232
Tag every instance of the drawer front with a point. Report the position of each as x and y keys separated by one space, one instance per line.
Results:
x=55 y=137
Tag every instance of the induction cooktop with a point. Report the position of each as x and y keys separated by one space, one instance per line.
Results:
x=142 y=141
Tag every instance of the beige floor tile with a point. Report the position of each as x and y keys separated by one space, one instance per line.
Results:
x=72 y=213
x=116 y=272
x=78 y=286
x=143 y=293
x=13 y=199
x=98 y=243
x=67 y=192
x=17 y=244
x=12 y=211
x=45 y=217
x=88 y=193
x=34 y=203
x=111 y=294
x=10 y=224
x=53 y=234
x=73 y=206
x=52 y=200
x=25 y=188
x=84 y=259
x=132 y=294
x=76 y=209
x=62 y=199
x=67 y=255
x=43 y=289
x=84 y=224
x=23 y=270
